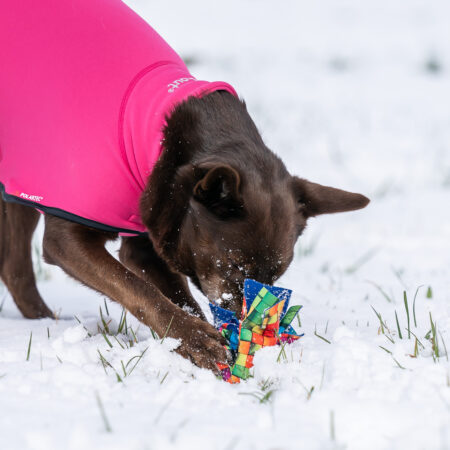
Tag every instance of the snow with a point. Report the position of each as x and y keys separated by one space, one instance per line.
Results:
x=351 y=94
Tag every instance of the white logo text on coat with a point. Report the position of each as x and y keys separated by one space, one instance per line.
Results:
x=176 y=83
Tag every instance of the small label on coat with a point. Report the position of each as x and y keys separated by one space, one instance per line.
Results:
x=33 y=198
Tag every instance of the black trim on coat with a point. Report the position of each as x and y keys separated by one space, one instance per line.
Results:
x=65 y=215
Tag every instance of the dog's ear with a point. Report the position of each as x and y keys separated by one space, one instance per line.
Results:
x=218 y=190
x=315 y=199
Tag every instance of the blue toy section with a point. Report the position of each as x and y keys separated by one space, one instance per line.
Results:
x=251 y=289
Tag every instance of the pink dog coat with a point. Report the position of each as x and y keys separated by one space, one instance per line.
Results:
x=85 y=88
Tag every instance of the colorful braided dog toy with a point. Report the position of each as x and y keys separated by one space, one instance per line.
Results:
x=267 y=322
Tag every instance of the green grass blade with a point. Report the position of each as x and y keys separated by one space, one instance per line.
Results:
x=251 y=394
x=105 y=324
x=79 y=321
x=321 y=337
x=267 y=396
x=379 y=318
x=106 y=306
x=282 y=352
x=361 y=261
x=434 y=340
x=122 y=322
x=137 y=362
x=398 y=364
x=382 y=292
x=117 y=340
x=398 y=273
x=332 y=427
x=103 y=360
x=414 y=306
x=418 y=340
x=385 y=349
x=107 y=340
x=164 y=377
x=29 y=346
x=134 y=335
x=445 y=347
x=405 y=299
x=398 y=326
x=103 y=413
x=167 y=330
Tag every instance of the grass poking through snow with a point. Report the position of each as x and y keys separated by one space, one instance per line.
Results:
x=167 y=330
x=433 y=335
x=332 y=427
x=265 y=393
x=414 y=305
x=381 y=291
x=366 y=257
x=321 y=337
x=29 y=346
x=103 y=413
x=405 y=299
x=399 y=331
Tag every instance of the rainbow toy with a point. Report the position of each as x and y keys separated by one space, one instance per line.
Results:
x=265 y=323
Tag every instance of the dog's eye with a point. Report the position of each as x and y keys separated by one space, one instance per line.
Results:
x=301 y=205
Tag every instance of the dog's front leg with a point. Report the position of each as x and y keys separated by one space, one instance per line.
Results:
x=80 y=251
x=137 y=253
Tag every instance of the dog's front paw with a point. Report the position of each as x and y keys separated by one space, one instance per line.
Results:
x=203 y=345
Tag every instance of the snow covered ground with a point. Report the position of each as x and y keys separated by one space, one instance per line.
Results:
x=354 y=94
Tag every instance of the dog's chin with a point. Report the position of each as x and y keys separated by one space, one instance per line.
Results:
x=220 y=291
x=230 y=301
x=228 y=298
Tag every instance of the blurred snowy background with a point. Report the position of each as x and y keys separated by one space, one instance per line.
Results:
x=354 y=94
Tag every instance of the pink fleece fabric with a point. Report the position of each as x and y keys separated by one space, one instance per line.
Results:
x=85 y=87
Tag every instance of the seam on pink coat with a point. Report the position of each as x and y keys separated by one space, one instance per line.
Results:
x=123 y=108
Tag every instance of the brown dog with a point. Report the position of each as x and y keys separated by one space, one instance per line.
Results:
x=219 y=207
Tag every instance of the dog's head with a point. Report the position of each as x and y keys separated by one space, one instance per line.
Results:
x=235 y=212
x=245 y=225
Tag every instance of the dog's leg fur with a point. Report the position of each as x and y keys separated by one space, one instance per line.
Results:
x=80 y=251
x=137 y=253
x=17 y=224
